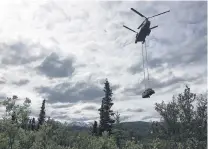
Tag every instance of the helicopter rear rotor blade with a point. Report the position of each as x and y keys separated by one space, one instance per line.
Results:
x=138 y=12
x=159 y=14
x=129 y=29
x=154 y=27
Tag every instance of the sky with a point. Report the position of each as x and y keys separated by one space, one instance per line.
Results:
x=63 y=51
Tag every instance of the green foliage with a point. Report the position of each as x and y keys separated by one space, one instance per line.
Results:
x=181 y=122
x=132 y=145
x=172 y=132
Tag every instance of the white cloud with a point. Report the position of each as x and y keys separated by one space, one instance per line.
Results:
x=90 y=45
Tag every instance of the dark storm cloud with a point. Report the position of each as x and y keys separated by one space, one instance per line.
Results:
x=62 y=106
x=135 y=110
x=90 y=107
x=115 y=87
x=2 y=82
x=2 y=97
x=150 y=117
x=64 y=116
x=124 y=118
x=19 y=53
x=77 y=111
x=21 y=82
x=135 y=68
x=83 y=119
x=157 y=84
x=67 y=93
x=73 y=119
x=55 y=67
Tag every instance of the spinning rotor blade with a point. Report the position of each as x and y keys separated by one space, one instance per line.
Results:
x=138 y=12
x=141 y=25
x=159 y=14
x=153 y=27
x=129 y=29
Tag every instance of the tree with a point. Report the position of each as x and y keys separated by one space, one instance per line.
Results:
x=101 y=125
x=180 y=121
x=14 y=113
x=94 y=129
x=117 y=118
x=106 y=121
x=117 y=130
x=33 y=124
x=30 y=124
x=41 y=118
x=14 y=118
x=200 y=124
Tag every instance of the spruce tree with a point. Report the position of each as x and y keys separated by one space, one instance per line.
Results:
x=106 y=121
x=101 y=125
x=30 y=124
x=117 y=129
x=33 y=124
x=41 y=118
x=94 y=129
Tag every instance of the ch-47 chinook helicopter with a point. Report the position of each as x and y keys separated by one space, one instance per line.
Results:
x=145 y=27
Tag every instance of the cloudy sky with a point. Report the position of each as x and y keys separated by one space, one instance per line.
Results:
x=63 y=50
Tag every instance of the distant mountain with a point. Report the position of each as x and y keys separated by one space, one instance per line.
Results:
x=139 y=127
x=79 y=124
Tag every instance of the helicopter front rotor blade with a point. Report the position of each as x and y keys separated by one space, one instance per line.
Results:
x=141 y=25
x=159 y=14
x=138 y=12
x=129 y=29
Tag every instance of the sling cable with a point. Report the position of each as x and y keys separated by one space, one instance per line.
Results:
x=148 y=91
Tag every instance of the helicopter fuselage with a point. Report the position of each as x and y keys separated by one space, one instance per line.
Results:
x=144 y=32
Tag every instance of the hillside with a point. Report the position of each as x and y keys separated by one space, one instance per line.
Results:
x=139 y=127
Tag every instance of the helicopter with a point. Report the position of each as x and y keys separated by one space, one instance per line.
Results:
x=145 y=27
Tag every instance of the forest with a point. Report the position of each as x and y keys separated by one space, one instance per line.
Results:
x=183 y=125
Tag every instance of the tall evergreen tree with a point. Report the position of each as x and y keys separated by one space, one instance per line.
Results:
x=41 y=118
x=101 y=125
x=117 y=130
x=33 y=124
x=30 y=124
x=94 y=129
x=106 y=120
